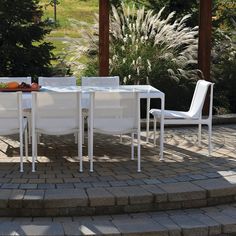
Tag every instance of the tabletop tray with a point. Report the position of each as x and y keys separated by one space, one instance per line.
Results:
x=19 y=89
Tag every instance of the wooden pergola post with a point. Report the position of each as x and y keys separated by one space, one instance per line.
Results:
x=103 y=37
x=204 y=45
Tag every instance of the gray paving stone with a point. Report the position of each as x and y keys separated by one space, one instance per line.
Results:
x=183 y=191
x=190 y=227
x=138 y=195
x=65 y=186
x=151 y=181
x=82 y=185
x=70 y=198
x=33 y=198
x=173 y=228
x=140 y=227
x=46 y=186
x=101 y=184
x=100 y=197
x=90 y=228
x=217 y=187
x=4 y=196
x=118 y=183
x=11 y=228
x=28 y=186
x=121 y=197
x=10 y=186
x=40 y=229
x=42 y=219
x=228 y=223
x=159 y=194
x=16 y=197
x=214 y=227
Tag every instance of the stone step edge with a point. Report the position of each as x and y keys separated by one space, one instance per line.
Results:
x=211 y=221
x=118 y=199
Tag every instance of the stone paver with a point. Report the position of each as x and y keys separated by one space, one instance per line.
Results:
x=212 y=221
x=70 y=197
x=186 y=178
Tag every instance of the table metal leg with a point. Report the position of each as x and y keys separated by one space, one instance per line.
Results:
x=162 y=128
x=147 y=120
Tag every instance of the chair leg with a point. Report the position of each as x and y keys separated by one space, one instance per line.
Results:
x=199 y=134
x=29 y=129
x=26 y=144
x=33 y=150
x=154 y=131
x=132 y=146
x=83 y=121
x=76 y=137
x=21 y=152
x=80 y=151
x=139 y=153
x=90 y=149
x=209 y=139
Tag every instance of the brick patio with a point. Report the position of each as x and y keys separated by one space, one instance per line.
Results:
x=186 y=178
x=60 y=198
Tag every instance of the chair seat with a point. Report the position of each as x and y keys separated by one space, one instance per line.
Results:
x=10 y=126
x=111 y=126
x=170 y=114
x=56 y=126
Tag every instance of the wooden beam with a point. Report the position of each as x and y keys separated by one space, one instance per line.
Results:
x=103 y=37
x=204 y=45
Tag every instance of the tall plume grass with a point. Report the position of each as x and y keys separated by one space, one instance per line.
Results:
x=143 y=45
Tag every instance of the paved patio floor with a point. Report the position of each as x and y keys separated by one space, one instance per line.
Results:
x=58 y=167
x=188 y=187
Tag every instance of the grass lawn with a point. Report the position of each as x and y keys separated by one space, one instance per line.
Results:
x=81 y=10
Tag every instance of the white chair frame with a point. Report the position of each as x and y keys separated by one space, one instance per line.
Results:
x=21 y=123
x=43 y=129
x=16 y=79
x=57 y=81
x=92 y=129
x=193 y=116
x=98 y=81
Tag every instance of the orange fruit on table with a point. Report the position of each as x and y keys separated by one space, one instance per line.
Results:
x=12 y=85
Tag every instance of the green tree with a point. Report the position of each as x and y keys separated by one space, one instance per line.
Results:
x=22 y=50
x=180 y=7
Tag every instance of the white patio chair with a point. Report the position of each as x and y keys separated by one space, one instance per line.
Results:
x=97 y=81
x=57 y=81
x=27 y=80
x=102 y=81
x=12 y=120
x=194 y=115
x=17 y=79
x=56 y=113
x=114 y=113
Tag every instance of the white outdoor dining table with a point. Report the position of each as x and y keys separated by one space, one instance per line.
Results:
x=145 y=91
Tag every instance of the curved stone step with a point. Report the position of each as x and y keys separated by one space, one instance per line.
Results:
x=114 y=200
x=209 y=221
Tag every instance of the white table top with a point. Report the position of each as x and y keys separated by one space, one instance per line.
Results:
x=146 y=91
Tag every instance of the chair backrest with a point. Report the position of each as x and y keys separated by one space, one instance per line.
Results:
x=60 y=110
x=104 y=81
x=11 y=107
x=116 y=112
x=199 y=97
x=57 y=81
x=16 y=79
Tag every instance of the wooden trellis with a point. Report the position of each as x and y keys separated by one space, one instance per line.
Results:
x=204 y=49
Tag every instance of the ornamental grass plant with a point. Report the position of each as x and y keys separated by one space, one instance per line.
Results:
x=146 y=48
